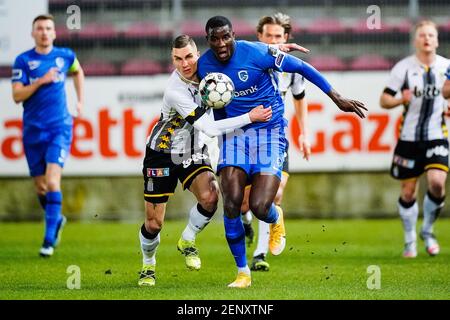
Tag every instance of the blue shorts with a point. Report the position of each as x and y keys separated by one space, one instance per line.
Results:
x=254 y=151
x=46 y=146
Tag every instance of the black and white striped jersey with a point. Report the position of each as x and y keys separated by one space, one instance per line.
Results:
x=174 y=132
x=423 y=117
x=294 y=81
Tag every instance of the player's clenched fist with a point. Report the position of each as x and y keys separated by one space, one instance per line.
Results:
x=50 y=76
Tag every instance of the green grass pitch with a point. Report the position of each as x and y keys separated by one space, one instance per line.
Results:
x=323 y=259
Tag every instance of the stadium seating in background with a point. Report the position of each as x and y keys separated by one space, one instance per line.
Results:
x=325 y=25
x=5 y=71
x=361 y=27
x=243 y=28
x=99 y=68
x=444 y=27
x=370 y=62
x=96 y=30
x=169 y=68
x=141 y=67
x=403 y=26
x=193 y=28
x=143 y=30
x=62 y=33
x=327 y=63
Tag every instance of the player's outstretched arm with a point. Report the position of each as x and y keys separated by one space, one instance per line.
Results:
x=216 y=128
x=288 y=47
x=22 y=92
x=295 y=65
x=347 y=105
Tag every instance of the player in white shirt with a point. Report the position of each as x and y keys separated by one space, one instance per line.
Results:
x=176 y=151
x=423 y=142
x=276 y=29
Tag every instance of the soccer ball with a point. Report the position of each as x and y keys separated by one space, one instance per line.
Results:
x=216 y=90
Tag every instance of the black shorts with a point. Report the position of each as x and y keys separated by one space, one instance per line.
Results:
x=412 y=158
x=161 y=172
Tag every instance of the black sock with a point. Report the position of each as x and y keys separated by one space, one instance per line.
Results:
x=147 y=234
x=203 y=212
x=437 y=201
x=405 y=204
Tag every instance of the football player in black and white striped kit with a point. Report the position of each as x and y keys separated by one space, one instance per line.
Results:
x=276 y=29
x=423 y=141
x=176 y=151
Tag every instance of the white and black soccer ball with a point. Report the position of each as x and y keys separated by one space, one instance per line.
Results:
x=216 y=90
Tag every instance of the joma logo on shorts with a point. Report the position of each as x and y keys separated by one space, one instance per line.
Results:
x=195 y=157
x=438 y=150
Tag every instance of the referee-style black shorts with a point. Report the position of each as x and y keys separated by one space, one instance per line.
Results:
x=412 y=158
x=163 y=170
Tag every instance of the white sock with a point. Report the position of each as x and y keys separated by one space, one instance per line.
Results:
x=263 y=239
x=247 y=217
x=430 y=212
x=409 y=220
x=148 y=248
x=245 y=270
x=196 y=223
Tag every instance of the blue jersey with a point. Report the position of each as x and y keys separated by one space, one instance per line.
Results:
x=47 y=107
x=251 y=68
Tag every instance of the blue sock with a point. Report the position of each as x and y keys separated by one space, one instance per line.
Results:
x=52 y=215
x=235 y=234
x=272 y=216
x=42 y=200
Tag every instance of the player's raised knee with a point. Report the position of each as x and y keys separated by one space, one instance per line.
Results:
x=208 y=200
x=260 y=208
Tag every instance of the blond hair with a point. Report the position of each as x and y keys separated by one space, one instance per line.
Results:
x=422 y=23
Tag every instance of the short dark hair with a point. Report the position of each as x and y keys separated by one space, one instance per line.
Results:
x=279 y=18
x=43 y=17
x=182 y=41
x=216 y=22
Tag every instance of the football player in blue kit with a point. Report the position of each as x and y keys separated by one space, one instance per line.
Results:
x=38 y=78
x=256 y=152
